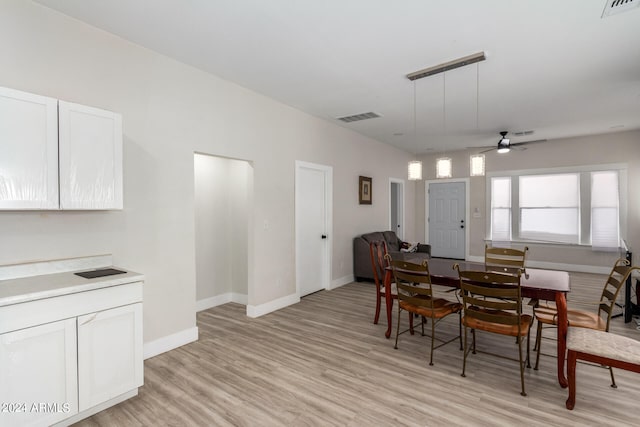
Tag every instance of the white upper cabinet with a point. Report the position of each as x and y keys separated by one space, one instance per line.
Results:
x=58 y=155
x=90 y=157
x=28 y=151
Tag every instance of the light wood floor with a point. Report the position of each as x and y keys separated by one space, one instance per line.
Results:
x=323 y=363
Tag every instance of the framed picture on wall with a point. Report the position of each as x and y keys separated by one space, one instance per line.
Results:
x=364 y=190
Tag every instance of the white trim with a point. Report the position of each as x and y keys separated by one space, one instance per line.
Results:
x=169 y=342
x=207 y=303
x=241 y=299
x=402 y=194
x=561 y=169
x=268 y=307
x=336 y=283
x=328 y=202
x=467 y=201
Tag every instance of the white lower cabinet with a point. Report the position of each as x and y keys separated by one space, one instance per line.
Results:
x=38 y=374
x=65 y=358
x=109 y=354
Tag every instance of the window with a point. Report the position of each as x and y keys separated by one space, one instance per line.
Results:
x=550 y=207
x=579 y=206
x=501 y=209
x=605 y=229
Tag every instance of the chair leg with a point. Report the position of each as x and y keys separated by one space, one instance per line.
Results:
x=398 y=326
x=613 y=381
x=422 y=321
x=411 y=331
x=528 y=347
x=523 y=393
x=538 y=344
x=433 y=337
x=377 y=315
x=473 y=333
x=464 y=354
x=460 y=329
x=571 y=378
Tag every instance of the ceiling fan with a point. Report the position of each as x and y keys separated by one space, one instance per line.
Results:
x=505 y=144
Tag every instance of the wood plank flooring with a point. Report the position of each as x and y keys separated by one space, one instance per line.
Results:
x=323 y=362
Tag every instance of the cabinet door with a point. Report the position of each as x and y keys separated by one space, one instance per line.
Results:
x=109 y=354
x=38 y=374
x=90 y=157
x=28 y=151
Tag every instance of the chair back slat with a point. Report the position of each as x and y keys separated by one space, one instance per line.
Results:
x=502 y=304
x=618 y=277
x=413 y=282
x=490 y=296
x=378 y=251
x=504 y=257
x=496 y=317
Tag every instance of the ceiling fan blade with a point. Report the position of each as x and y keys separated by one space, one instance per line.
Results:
x=486 y=151
x=515 y=144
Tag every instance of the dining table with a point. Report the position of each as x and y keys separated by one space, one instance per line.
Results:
x=537 y=284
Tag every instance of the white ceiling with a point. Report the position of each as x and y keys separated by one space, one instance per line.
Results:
x=553 y=66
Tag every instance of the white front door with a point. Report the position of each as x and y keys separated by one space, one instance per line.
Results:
x=447 y=214
x=313 y=196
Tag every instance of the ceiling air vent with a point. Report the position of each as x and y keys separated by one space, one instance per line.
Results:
x=358 y=117
x=613 y=7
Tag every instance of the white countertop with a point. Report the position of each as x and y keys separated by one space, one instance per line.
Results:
x=25 y=289
x=38 y=280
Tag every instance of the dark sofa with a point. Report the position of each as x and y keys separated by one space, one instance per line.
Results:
x=362 y=269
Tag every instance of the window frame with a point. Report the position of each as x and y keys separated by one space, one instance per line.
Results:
x=584 y=200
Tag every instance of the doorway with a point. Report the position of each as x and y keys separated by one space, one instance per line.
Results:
x=223 y=198
x=396 y=206
x=313 y=214
x=447 y=218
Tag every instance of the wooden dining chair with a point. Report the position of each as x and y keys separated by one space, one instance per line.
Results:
x=600 y=320
x=506 y=259
x=378 y=250
x=492 y=302
x=415 y=295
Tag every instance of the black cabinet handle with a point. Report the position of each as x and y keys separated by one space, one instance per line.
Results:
x=324 y=236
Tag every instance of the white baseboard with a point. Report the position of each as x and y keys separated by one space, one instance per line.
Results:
x=170 y=342
x=207 y=303
x=242 y=299
x=262 y=309
x=342 y=281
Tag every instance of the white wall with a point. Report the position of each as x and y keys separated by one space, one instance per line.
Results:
x=170 y=111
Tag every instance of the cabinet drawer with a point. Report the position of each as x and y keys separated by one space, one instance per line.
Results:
x=32 y=313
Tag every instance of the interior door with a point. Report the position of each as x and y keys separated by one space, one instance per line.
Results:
x=396 y=207
x=447 y=219
x=312 y=238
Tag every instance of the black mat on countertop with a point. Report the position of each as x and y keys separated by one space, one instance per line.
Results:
x=92 y=274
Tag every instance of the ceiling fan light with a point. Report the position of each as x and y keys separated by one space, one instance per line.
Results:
x=503 y=150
